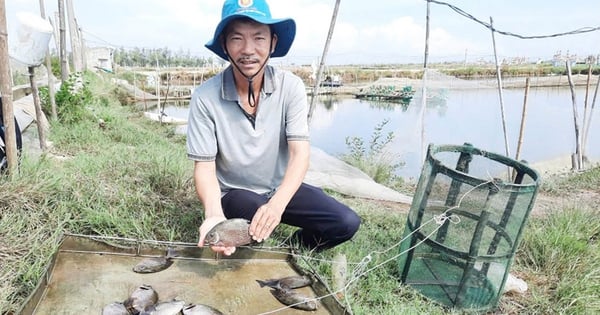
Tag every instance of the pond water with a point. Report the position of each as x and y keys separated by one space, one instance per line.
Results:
x=455 y=117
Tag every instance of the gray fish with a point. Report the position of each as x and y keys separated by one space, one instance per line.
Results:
x=115 y=308
x=291 y=282
x=200 y=309
x=295 y=299
x=164 y=308
x=230 y=233
x=150 y=265
x=140 y=299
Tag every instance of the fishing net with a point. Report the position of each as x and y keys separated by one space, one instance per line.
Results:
x=465 y=224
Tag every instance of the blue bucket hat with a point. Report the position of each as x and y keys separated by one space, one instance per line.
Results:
x=257 y=10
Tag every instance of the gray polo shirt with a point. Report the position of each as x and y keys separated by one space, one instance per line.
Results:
x=247 y=155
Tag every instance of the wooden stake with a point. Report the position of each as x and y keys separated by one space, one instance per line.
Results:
x=499 y=78
x=585 y=110
x=74 y=36
x=578 y=158
x=423 y=148
x=588 y=123
x=523 y=116
x=51 y=88
x=64 y=60
x=38 y=109
x=322 y=63
x=10 y=136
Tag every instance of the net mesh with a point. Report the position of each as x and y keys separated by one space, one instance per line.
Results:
x=464 y=225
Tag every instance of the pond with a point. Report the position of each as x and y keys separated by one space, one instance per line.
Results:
x=455 y=117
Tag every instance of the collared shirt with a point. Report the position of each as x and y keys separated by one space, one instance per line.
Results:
x=248 y=155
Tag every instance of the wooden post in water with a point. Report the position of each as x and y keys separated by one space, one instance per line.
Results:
x=423 y=148
x=10 y=135
x=577 y=158
x=500 y=93
x=523 y=116
x=322 y=63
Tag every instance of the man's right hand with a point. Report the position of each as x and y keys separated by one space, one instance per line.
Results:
x=206 y=226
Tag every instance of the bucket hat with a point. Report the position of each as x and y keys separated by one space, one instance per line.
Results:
x=257 y=10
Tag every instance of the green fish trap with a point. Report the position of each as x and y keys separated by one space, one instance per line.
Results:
x=464 y=225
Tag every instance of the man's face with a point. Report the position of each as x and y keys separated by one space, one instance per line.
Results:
x=248 y=44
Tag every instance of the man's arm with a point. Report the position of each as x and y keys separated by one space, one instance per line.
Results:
x=209 y=192
x=268 y=216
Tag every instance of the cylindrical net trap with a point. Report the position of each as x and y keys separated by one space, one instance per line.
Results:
x=465 y=224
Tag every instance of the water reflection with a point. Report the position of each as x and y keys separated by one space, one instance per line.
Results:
x=451 y=117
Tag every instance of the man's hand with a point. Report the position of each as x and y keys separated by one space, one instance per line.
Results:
x=263 y=223
x=206 y=226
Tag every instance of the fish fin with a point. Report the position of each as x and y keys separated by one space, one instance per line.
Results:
x=261 y=283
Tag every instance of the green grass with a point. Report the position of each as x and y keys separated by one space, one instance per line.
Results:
x=131 y=178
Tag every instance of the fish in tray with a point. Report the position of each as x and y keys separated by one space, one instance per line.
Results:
x=229 y=233
x=200 y=309
x=173 y=307
x=295 y=299
x=115 y=308
x=141 y=298
x=291 y=282
x=150 y=265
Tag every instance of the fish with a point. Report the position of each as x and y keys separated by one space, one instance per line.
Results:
x=141 y=298
x=291 y=282
x=229 y=233
x=173 y=307
x=150 y=265
x=115 y=308
x=200 y=309
x=295 y=299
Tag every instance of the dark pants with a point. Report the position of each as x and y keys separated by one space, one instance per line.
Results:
x=323 y=221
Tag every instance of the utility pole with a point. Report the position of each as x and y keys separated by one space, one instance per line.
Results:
x=74 y=34
x=10 y=137
x=51 y=88
x=64 y=60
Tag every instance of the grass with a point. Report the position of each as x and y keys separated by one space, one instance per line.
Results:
x=131 y=178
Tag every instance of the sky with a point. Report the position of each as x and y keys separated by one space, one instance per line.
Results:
x=366 y=32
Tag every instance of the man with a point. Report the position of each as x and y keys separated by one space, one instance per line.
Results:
x=248 y=136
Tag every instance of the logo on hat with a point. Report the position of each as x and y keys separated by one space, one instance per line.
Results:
x=245 y=3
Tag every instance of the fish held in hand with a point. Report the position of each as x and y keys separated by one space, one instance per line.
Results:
x=200 y=309
x=140 y=299
x=291 y=282
x=157 y=264
x=295 y=299
x=229 y=233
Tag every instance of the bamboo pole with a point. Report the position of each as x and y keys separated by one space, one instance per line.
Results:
x=500 y=94
x=64 y=62
x=10 y=136
x=74 y=36
x=51 y=88
x=585 y=109
x=423 y=148
x=322 y=63
x=38 y=109
x=577 y=159
x=588 y=123
x=523 y=116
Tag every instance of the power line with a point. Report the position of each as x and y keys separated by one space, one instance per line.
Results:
x=490 y=27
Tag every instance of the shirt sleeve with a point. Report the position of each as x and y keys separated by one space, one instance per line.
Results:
x=297 y=112
x=201 y=136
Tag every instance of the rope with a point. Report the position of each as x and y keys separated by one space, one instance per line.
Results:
x=490 y=27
